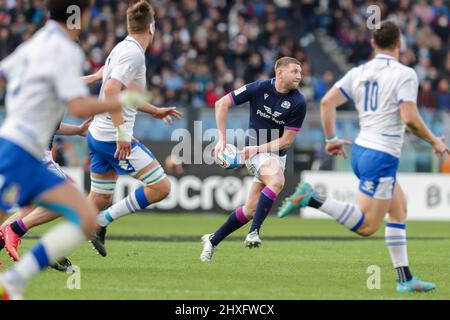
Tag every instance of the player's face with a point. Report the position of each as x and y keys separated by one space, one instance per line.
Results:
x=292 y=75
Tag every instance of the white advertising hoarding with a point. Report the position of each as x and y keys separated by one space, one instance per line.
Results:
x=428 y=194
x=76 y=174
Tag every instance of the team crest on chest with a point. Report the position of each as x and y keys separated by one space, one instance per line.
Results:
x=265 y=96
x=286 y=104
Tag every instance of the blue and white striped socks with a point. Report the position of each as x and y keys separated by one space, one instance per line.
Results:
x=134 y=202
x=395 y=235
x=345 y=213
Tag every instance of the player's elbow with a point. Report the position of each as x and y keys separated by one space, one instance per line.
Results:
x=110 y=91
x=222 y=103
x=219 y=104
x=409 y=121
x=408 y=118
x=286 y=143
x=113 y=88
x=325 y=104
x=409 y=114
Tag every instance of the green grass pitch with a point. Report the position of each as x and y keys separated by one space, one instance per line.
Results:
x=299 y=259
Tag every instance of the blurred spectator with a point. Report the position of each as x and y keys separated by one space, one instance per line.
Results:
x=426 y=98
x=253 y=68
x=424 y=11
x=59 y=153
x=205 y=48
x=172 y=164
x=443 y=95
x=322 y=85
x=425 y=26
x=64 y=153
x=445 y=165
x=306 y=86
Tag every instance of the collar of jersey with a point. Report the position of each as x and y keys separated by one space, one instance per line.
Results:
x=385 y=57
x=130 y=38
x=53 y=25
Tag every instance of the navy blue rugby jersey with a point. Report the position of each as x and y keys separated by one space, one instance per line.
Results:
x=271 y=112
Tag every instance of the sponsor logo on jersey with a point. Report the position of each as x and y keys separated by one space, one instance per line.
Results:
x=269 y=111
x=240 y=90
x=125 y=165
x=270 y=115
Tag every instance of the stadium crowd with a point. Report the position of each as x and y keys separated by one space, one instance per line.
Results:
x=204 y=48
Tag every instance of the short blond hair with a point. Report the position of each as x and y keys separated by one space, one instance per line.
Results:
x=285 y=61
x=139 y=17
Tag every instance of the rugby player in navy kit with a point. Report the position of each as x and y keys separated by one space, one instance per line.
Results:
x=277 y=111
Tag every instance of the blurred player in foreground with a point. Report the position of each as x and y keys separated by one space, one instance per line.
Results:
x=19 y=223
x=43 y=77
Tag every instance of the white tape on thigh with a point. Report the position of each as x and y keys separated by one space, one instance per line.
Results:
x=154 y=175
x=103 y=186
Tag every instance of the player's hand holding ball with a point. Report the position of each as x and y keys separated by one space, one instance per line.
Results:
x=218 y=149
x=229 y=158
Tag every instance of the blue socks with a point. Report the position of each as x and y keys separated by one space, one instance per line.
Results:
x=265 y=202
x=235 y=220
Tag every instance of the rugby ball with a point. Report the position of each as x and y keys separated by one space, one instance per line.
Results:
x=229 y=158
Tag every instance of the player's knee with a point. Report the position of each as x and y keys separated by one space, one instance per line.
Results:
x=89 y=223
x=158 y=191
x=366 y=232
x=102 y=200
x=368 y=229
x=398 y=217
x=249 y=212
x=276 y=185
x=164 y=190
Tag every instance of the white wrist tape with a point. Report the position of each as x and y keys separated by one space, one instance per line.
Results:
x=122 y=134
